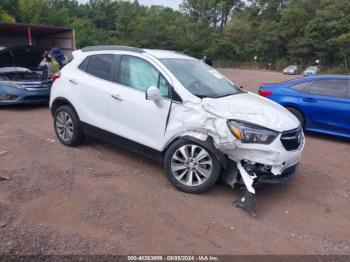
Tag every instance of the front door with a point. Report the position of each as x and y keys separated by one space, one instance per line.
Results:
x=131 y=115
x=328 y=105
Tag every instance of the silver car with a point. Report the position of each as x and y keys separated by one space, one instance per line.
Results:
x=292 y=70
x=311 y=70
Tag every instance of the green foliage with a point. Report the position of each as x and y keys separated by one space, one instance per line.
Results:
x=30 y=11
x=278 y=32
x=5 y=17
x=85 y=32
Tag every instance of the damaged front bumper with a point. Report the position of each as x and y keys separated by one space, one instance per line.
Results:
x=254 y=164
x=257 y=164
x=271 y=179
x=272 y=164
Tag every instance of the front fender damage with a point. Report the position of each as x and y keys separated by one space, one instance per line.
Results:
x=202 y=124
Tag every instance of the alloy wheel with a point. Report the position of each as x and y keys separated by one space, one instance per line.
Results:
x=64 y=126
x=191 y=165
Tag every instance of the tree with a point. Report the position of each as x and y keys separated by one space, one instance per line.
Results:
x=343 y=42
x=211 y=12
x=30 y=11
x=230 y=31
x=5 y=17
x=86 y=33
x=327 y=31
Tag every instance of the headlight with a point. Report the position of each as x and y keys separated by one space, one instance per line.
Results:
x=250 y=133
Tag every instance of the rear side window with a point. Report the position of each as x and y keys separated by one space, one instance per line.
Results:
x=83 y=66
x=330 y=87
x=300 y=86
x=99 y=65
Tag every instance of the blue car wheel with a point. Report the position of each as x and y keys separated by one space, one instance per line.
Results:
x=298 y=115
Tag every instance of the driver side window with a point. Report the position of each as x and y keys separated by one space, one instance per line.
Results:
x=139 y=74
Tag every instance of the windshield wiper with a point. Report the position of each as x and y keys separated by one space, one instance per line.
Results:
x=201 y=96
x=225 y=95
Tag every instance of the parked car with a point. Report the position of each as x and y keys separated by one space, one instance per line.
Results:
x=311 y=70
x=22 y=81
x=178 y=110
x=292 y=70
x=321 y=103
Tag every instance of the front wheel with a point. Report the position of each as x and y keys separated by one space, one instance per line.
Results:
x=191 y=167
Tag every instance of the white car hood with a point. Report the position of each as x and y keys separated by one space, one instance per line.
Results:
x=254 y=109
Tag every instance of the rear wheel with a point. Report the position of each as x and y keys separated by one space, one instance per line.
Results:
x=298 y=115
x=67 y=126
x=191 y=167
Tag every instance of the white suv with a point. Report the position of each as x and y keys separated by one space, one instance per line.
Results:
x=178 y=110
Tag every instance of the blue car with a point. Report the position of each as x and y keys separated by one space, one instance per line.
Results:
x=22 y=80
x=321 y=103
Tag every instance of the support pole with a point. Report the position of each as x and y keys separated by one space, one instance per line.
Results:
x=29 y=35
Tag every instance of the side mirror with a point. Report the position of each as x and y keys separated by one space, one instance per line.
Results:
x=153 y=93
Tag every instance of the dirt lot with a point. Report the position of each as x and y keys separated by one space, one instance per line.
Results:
x=98 y=199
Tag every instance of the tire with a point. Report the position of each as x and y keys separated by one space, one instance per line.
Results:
x=298 y=115
x=67 y=126
x=200 y=161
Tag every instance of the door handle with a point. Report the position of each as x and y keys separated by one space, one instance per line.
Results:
x=117 y=97
x=73 y=81
x=309 y=99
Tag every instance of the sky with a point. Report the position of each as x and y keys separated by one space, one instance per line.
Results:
x=171 y=3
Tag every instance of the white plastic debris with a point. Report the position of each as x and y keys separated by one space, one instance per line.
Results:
x=3 y=223
x=3 y=153
x=4 y=177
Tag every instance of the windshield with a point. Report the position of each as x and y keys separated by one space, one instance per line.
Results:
x=292 y=67
x=312 y=68
x=200 y=79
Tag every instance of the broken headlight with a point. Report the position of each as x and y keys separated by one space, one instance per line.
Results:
x=250 y=133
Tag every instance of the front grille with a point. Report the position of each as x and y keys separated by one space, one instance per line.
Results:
x=8 y=97
x=35 y=98
x=37 y=86
x=273 y=179
x=292 y=139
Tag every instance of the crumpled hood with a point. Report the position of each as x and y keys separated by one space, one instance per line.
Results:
x=254 y=109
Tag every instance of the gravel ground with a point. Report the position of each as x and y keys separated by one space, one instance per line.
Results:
x=99 y=199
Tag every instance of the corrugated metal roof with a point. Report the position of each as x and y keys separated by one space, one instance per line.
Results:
x=37 y=30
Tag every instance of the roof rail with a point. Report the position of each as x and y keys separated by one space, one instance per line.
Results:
x=180 y=53
x=112 y=47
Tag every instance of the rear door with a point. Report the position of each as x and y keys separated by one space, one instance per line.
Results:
x=91 y=89
x=327 y=105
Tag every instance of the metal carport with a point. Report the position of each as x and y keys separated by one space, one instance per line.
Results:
x=45 y=37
